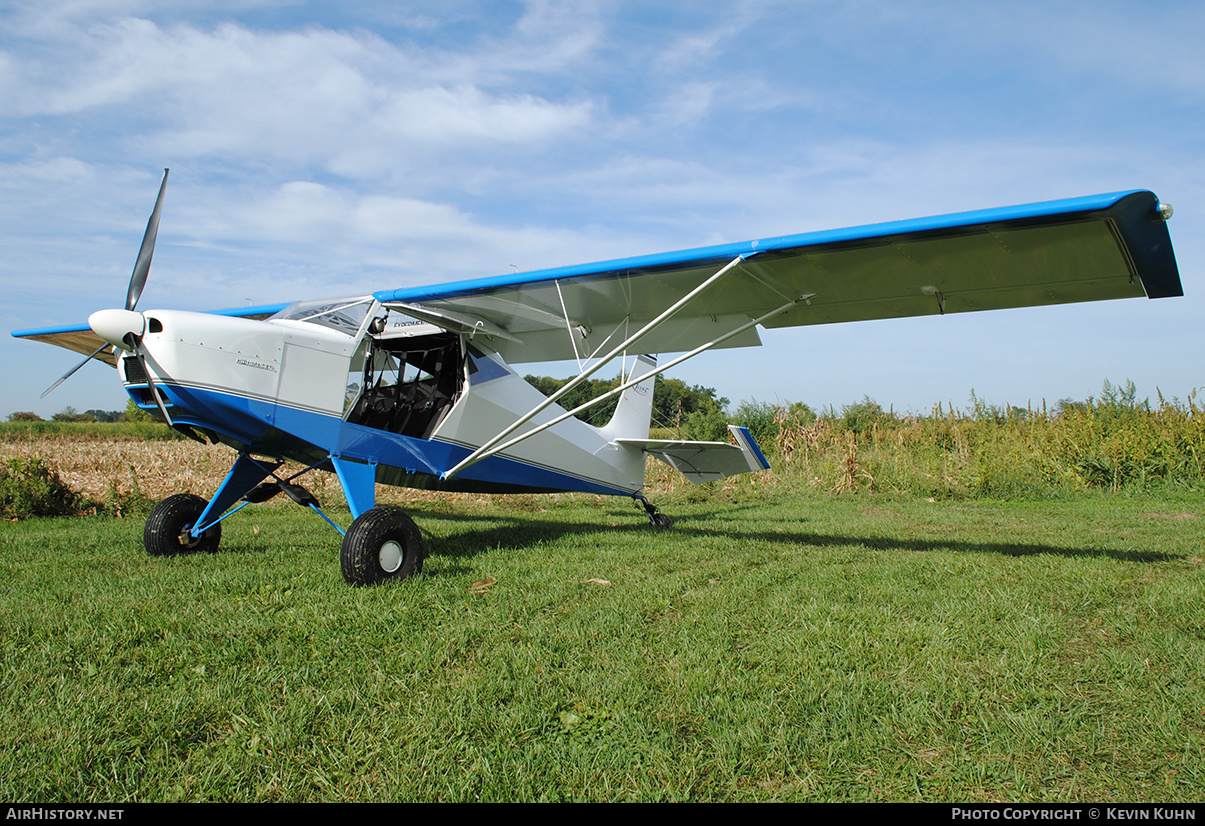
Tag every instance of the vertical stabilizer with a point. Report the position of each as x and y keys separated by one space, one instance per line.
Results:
x=635 y=408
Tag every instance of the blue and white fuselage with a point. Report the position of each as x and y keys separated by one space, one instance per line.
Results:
x=311 y=385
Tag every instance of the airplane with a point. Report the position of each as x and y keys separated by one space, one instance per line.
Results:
x=413 y=387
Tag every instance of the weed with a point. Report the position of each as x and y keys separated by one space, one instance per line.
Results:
x=1115 y=443
x=30 y=487
x=128 y=502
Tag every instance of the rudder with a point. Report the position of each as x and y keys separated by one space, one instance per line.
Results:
x=635 y=408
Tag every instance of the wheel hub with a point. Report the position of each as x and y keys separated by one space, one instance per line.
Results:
x=390 y=556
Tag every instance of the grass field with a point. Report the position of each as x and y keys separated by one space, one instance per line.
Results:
x=777 y=643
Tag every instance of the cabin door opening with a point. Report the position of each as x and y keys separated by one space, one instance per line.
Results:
x=409 y=384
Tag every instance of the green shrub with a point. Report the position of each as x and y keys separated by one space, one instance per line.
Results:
x=134 y=413
x=763 y=420
x=705 y=426
x=29 y=487
x=862 y=416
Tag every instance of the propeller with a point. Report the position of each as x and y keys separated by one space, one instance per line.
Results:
x=71 y=372
x=123 y=329
x=142 y=266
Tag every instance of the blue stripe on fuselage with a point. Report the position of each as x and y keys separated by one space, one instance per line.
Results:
x=308 y=437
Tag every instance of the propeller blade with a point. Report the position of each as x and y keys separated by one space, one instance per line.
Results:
x=142 y=266
x=150 y=383
x=71 y=372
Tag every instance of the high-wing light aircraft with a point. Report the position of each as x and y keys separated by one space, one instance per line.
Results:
x=413 y=387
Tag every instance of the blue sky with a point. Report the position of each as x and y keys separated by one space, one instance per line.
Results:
x=334 y=148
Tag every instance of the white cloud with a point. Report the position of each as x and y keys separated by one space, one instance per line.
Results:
x=330 y=149
x=352 y=104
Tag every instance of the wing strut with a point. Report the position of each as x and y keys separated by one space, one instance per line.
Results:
x=568 y=325
x=481 y=452
x=490 y=449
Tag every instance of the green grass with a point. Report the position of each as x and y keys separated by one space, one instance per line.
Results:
x=146 y=431
x=770 y=646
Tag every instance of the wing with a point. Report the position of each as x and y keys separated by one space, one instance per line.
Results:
x=1083 y=249
x=81 y=339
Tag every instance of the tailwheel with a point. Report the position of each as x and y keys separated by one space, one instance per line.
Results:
x=656 y=518
x=168 y=526
x=382 y=544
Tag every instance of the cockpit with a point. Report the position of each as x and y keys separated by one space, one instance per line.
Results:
x=404 y=374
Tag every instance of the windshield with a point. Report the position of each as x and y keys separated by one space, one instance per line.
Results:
x=343 y=314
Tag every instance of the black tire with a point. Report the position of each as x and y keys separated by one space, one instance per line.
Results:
x=660 y=520
x=167 y=527
x=382 y=544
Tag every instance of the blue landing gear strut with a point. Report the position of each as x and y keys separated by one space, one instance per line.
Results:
x=382 y=543
x=245 y=481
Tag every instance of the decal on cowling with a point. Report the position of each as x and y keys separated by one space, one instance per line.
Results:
x=258 y=365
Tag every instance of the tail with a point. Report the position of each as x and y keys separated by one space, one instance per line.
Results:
x=635 y=408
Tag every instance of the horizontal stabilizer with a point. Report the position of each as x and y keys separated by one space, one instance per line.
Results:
x=706 y=461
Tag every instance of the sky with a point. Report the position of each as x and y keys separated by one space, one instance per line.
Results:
x=328 y=148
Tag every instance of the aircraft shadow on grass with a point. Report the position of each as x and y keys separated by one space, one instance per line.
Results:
x=532 y=529
x=475 y=534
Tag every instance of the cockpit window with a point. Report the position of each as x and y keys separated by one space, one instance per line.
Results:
x=343 y=314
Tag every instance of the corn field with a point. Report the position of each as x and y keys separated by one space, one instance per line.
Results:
x=1114 y=443
x=1110 y=444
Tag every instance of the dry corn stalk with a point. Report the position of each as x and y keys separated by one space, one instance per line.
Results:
x=851 y=470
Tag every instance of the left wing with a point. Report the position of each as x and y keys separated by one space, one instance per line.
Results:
x=1084 y=249
x=81 y=339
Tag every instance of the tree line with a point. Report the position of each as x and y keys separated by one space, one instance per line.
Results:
x=132 y=413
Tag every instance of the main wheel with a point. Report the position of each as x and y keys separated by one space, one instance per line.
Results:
x=382 y=544
x=167 y=527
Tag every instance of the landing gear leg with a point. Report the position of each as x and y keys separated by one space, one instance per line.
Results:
x=656 y=518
